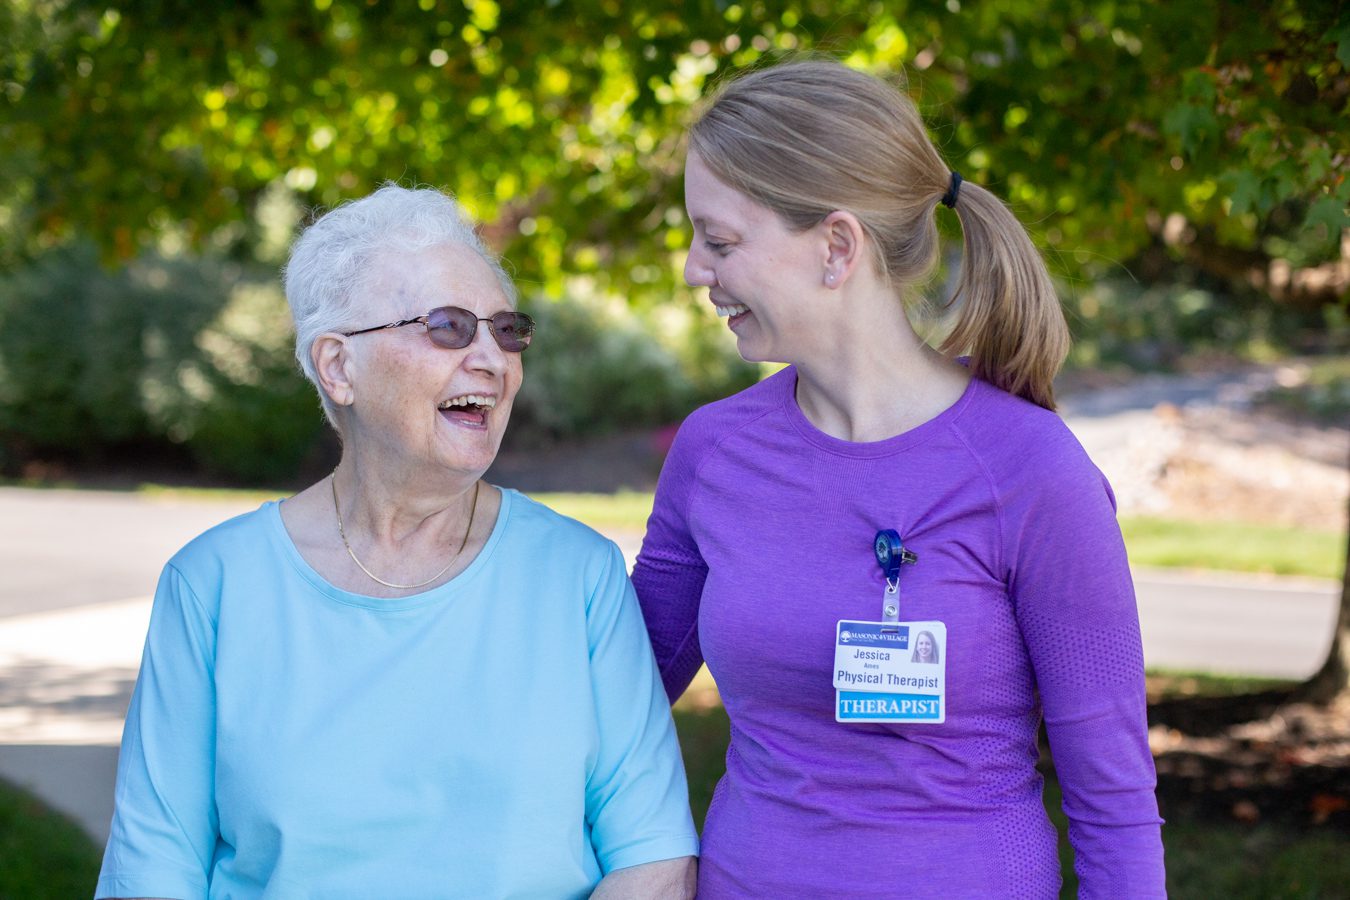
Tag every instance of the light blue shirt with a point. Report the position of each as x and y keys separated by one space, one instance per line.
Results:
x=503 y=735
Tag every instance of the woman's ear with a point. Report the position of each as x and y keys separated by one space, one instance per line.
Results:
x=845 y=246
x=332 y=363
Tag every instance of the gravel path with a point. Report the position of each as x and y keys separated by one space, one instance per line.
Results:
x=1197 y=446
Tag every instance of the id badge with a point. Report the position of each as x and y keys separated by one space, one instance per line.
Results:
x=890 y=672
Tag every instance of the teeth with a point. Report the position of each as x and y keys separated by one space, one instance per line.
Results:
x=469 y=400
x=724 y=311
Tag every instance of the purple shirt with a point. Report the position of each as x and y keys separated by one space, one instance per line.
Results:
x=761 y=540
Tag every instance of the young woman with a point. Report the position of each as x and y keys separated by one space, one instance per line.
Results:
x=809 y=531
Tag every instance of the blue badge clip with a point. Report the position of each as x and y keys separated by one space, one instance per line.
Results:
x=891 y=555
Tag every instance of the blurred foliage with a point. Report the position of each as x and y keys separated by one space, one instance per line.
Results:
x=1215 y=131
x=1148 y=143
x=1319 y=390
x=195 y=353
x=162 y=351
x=1120 y=323
x=599 y=368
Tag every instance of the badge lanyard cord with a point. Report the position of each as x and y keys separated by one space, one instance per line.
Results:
x=891 y=555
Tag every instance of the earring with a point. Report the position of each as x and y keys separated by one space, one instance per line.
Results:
x=829 y=278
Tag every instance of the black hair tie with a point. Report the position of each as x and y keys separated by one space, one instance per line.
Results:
x=949 y=198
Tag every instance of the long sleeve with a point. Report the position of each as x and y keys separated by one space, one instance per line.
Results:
x=669 y=572
x=1075 y=606
x=165 y=825
x=637 y=798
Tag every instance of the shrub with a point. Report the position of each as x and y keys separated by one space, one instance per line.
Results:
x=196 y=354
x=596 y=369
x=70 y=354
x=1156 y=326
x=183 y=351
x=251 y=415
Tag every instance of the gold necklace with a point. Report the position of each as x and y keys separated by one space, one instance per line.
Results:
x=332 y=480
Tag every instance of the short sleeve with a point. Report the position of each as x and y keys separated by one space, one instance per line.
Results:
x=165 y=826
x=1074 y=599
x=669 y=572
x=637 y=797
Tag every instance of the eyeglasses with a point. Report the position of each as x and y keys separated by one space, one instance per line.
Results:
x=454 y=328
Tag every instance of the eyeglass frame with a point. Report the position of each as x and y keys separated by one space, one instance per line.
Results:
x=424 y=321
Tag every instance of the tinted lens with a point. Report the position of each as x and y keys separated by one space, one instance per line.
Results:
x=451 y=327
x=512 y=330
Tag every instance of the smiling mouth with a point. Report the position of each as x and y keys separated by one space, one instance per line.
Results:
x=468 y=409
x=733 y=310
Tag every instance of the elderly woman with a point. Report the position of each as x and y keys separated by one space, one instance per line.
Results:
x=403 y=681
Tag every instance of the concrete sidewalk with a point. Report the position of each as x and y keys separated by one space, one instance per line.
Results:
x=66 y=675
x=65 y=681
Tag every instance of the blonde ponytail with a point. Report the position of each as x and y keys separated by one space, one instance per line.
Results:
x=1010 y=320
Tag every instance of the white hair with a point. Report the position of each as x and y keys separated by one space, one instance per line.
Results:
x=331 y=260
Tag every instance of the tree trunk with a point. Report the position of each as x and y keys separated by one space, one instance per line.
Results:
x=1334 y=677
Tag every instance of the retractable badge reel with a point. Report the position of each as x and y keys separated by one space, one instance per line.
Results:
x=891 y=555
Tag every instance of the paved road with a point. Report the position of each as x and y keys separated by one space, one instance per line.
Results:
x=1269 y=627
x=61 y=549
x=77 y=569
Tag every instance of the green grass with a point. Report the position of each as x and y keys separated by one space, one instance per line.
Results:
x=704 y=734
x=1234 y=547
x=625 y=511
x=42 y=853
x=224 y=495
x=1239 y=862
x=1169 y=684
